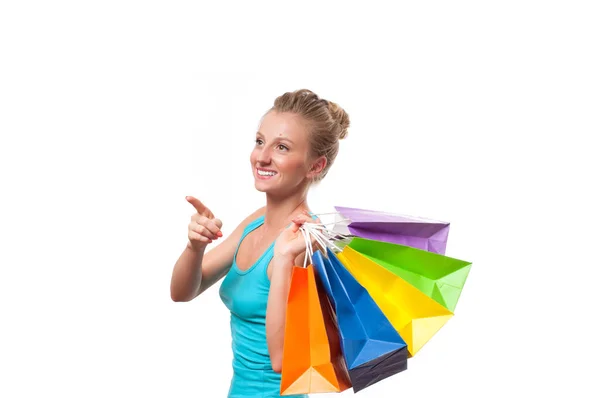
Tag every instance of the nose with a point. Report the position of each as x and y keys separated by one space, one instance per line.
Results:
x=264 y=156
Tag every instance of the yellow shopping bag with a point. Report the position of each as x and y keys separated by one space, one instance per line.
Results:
x=413 y=314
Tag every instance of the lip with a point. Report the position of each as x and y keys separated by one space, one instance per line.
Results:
x=264 y=177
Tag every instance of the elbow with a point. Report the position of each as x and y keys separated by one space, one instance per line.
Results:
x=178 y=297
x=277 y=361
x=180 y=294
x=277 y=366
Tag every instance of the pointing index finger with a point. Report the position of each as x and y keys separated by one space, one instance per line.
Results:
x=200 y=208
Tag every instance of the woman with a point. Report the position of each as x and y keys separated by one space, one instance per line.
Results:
x=296 y=145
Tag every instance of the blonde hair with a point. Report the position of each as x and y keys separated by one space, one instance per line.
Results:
x=327 y=122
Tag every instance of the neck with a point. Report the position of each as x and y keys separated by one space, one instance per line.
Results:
x=280 y=211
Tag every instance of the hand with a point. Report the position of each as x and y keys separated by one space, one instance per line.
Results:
x=291 y=242
x=204 y=227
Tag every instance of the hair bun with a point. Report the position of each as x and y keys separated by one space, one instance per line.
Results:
x=341 y=118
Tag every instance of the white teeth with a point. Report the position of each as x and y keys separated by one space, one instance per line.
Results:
x=266 y=173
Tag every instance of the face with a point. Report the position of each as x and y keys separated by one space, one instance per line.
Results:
x=281 y=160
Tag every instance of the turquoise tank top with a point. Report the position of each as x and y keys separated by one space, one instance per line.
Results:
x=245 y=294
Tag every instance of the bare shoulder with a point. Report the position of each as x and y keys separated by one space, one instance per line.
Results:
x=236 y=234
x=251 y=217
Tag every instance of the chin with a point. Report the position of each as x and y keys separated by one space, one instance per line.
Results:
x=268 y=188
x=259 y=188
x=262 y=188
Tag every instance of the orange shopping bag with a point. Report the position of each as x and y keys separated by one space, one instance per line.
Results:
x=312 y=354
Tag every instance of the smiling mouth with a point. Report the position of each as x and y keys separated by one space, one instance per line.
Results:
x=265 y=173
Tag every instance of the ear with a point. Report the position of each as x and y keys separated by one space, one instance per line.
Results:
x=317 y=167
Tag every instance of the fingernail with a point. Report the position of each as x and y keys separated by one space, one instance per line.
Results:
x=219 y=234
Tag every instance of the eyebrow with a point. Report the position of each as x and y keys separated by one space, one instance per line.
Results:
x=258 y=133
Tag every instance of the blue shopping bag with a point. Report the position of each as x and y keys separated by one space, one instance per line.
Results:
x=372 y=348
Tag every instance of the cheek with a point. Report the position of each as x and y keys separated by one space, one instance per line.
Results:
x=293 y=164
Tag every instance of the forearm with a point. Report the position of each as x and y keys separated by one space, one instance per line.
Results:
x=276 y=308
x=187 y=274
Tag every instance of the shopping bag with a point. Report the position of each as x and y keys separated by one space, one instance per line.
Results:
x=440 y=277
x=417 y=232
x=312 y=356
x=372 y=348
x=415 y=316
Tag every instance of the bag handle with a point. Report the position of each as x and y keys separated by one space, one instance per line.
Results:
x=307 y=243
x=321 y=234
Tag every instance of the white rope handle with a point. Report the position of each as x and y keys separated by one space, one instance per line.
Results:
x=326 y=214
x=319 y=240
x=324 y=242
x=307 y=244
x=332 y=235
x=343 y=220
x=305 y=248
x=323 y=237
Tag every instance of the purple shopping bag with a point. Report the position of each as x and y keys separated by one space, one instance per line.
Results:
x=405 y=230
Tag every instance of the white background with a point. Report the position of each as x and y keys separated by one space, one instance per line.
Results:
x=478 y=113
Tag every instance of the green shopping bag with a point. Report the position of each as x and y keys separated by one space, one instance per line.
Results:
x=439 y=277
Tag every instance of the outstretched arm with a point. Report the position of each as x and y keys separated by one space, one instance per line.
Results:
x=195 y=271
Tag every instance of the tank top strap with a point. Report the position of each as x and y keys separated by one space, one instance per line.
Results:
x=258 y=222
x=252 y=226
x=267 y=255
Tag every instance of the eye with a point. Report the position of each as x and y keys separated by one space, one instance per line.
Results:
x=258 y=141
x=282 y=147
